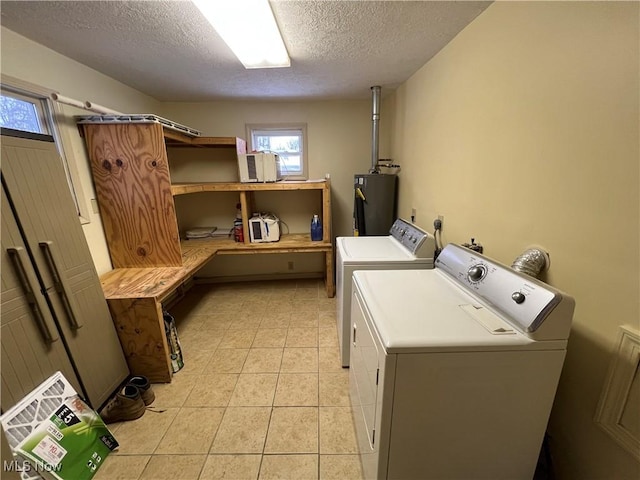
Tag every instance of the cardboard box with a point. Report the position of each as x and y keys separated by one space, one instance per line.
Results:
x=57 y=433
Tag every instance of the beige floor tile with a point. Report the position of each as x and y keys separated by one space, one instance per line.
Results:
x=215 y=321
x=227 y=360
x=340 y=467
x=238 y=338
x=201 y=340
x=302 y=319
x=307 y=294
x=122 y=467
x=289 y=467
x=293 y=430
x=270 y=338
x=142 y=436
x=299 y=360
x=327 y=319
x=231 y=467
x=334 y=389
x=297 y=389
x=195 y=361
x=283 y=302
x=263 y=360
x=329 y=360
x=328 y=336
x=189 y=323
x=254 y=390
x=175 y=393
x=326 y=304
x=213 y=390
x=302 y=337
x=277 y=320
x=243 y=430
x=337 y=433
x=246 y=322
x=174 y=467
x=192 y=431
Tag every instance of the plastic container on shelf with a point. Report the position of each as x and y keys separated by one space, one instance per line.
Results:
x=238 y=233
x=316 y=229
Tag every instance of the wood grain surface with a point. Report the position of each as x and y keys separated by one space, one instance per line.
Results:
x=131 y=176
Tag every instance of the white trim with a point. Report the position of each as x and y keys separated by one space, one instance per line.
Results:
x=623 y=372
x=283 y=127
x=61 y=137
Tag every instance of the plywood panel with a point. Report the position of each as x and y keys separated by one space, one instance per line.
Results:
x=141 y=331
x=131 y=176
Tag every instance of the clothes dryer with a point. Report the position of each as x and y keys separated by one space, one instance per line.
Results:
x=406 y=247
x=454 y=370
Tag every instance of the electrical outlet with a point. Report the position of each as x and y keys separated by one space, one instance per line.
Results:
x=290 y=265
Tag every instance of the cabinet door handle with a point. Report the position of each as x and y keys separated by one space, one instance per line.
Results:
x=38 y=307
x=60 y=283
x=354 y=334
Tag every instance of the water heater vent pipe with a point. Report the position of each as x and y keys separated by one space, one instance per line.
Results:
x=375 y=133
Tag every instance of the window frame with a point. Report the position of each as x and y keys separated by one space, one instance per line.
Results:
x=283 y=127
x=51 y=114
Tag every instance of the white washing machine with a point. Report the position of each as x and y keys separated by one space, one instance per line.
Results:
x=454 y=370
x=406 y=246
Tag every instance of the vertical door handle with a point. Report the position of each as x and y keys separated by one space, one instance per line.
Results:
x=60 y=283
x=354 y=333
x=36 y=302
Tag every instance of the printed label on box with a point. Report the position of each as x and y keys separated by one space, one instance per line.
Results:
x=50 y=451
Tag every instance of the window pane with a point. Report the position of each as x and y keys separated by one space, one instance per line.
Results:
x=287 y=142
x=290 y=164
x=19 y=114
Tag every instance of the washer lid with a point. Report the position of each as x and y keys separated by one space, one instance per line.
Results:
x=424 y=311
x=373 y=249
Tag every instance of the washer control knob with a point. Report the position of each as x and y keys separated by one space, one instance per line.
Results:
x=518 y=297
x=476 y=273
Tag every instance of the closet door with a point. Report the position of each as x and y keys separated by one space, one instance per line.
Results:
x=31 y=347
x=36 y=183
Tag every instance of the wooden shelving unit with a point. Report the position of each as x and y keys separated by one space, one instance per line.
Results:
x=136 y=197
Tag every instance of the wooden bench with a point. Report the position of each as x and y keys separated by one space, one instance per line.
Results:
x=135 y=295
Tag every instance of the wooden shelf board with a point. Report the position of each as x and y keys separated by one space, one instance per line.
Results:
x=175 y=139
x=184 y=188
x=159 y=282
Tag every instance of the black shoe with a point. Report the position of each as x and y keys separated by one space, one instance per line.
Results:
x=144 y=386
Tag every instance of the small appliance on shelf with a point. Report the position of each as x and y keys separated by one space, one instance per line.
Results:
x=259 y=167
x=264 y=227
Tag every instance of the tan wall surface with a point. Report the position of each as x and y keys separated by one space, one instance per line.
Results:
x=525 y=130
x=31 y=62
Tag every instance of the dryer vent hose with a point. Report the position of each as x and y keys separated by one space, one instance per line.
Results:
x=532 y=261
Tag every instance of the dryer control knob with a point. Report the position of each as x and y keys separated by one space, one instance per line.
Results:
x=518 y=297
x=476 y=273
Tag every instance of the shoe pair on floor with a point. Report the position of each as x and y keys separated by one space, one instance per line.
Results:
x=130 y=402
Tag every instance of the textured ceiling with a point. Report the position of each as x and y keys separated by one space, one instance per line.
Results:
x=166 y=49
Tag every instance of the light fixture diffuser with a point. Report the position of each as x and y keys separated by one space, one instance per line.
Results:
x=250 y=30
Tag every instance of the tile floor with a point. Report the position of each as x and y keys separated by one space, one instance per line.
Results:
x=262 y=394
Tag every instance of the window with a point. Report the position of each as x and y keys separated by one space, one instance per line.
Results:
x=23 y=112
x=288 y=141
x=27 y=107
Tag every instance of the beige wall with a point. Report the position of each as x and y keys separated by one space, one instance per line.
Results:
x=31 y=62
x=524 y=130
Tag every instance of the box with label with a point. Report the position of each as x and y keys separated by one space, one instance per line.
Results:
x=57 y=434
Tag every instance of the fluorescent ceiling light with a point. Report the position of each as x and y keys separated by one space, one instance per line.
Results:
x=249 y=28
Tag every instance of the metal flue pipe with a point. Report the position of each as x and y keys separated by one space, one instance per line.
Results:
x=375 y=134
